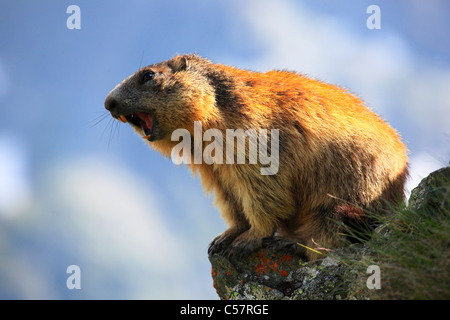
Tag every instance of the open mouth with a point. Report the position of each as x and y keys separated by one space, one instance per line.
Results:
x=142 y=120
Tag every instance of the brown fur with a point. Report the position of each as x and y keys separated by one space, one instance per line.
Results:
x=337 y=158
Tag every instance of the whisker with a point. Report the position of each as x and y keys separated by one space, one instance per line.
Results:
x=98 y=119
x=142 y=57
x=100 y=115
x=108 y=125
x=116 y=130
x=111 y=130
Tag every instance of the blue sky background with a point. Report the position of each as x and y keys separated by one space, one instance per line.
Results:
x=74 y=191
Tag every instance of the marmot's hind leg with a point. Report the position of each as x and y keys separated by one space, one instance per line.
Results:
x=318 y=232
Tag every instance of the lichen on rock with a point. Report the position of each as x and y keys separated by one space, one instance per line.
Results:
x=273 y=275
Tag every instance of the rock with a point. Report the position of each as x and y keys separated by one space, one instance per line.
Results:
x=272 y=275
x=432 y=195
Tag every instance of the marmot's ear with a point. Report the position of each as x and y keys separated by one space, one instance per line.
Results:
x=179 y=63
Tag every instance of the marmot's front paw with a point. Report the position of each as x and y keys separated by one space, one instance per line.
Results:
x=243 y=248
x=244 y=245
x=281 y=244
x=222 y=243
x=219 y=244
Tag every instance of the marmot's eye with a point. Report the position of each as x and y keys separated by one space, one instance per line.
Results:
x=148 y=75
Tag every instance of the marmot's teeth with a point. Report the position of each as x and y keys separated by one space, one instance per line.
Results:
x=146 y=137
x=122 y=118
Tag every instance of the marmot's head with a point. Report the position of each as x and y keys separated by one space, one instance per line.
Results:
x=163 y=97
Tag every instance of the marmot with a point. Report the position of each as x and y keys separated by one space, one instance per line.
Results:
x=338 y=160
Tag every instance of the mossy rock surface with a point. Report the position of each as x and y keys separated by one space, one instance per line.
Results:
x=432 y=195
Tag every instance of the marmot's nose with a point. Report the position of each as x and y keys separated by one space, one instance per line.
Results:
x=110 y=103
